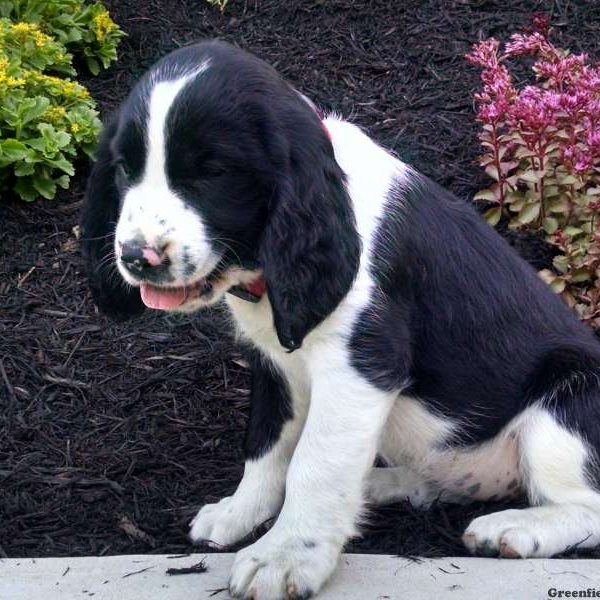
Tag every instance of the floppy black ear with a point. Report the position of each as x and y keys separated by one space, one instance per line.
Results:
x=310 y=248
x=98 y=220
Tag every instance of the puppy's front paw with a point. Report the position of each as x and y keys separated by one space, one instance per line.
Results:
x=228 y=521
x=282 y=566
x=510 y=533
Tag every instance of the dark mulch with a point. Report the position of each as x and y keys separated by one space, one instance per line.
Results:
x=111 y=436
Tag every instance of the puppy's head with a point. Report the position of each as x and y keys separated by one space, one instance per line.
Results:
x=215 y=173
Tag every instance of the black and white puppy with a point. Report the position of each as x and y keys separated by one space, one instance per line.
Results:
x=380 y=314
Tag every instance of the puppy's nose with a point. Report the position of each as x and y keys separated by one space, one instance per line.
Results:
x=138 y=258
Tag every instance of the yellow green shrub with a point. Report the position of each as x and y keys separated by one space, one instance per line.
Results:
x=46 y=118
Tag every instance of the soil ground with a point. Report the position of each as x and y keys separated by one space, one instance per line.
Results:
x=112 y=435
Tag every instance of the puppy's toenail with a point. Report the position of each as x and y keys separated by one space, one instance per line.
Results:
x=508 y=551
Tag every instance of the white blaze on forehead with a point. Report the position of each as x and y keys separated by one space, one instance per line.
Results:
x=162 y=96
x=153 y=213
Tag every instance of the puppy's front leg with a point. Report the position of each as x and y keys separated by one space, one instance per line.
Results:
x=277 y=413
x=324 y=486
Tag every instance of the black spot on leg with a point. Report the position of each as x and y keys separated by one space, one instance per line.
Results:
x=463 y=480
x=162 y=222
x=270 y=406
x=512 y=484
x=536 y=545
x=294 y=594
x=309 y=544
x=472 y=490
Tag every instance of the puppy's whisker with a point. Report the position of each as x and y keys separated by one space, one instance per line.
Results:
x=228 y=247
x=94 y=239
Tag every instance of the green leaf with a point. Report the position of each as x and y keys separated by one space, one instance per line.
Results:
x=33 y=108
x=12 y=150
x=493 y=215
x=561 y=263
x=24 y=168
x=530 y=176
x=45 y=186
x=63 y=164
x=93 y=65
x=514 y=224
x=492 y=171
x=63 y=181
x=61 y=138
x=529 y=213
x=36 y=143
x=514 y=196
x=558 y=285
x=485 y=195
x=517 y=204
x=486 y=160
x=580 y=275
x=568 y=180
x=550 y=225
x=524 y=152
x=25 y=189
x=558 y=205
x=573 y=231
x=508 y=165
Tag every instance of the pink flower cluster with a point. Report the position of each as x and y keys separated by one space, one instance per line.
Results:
x=498 y=91
x=563 y=106
x=541 y=146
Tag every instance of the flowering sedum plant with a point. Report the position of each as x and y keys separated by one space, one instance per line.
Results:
x=46 y=118
x=541 y=148
x=83 y=29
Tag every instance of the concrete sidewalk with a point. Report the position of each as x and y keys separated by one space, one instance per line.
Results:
x=360 y=577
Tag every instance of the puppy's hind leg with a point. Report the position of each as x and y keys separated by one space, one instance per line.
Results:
x=556 y=461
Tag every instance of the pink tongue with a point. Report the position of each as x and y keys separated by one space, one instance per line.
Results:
x=160 y=298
